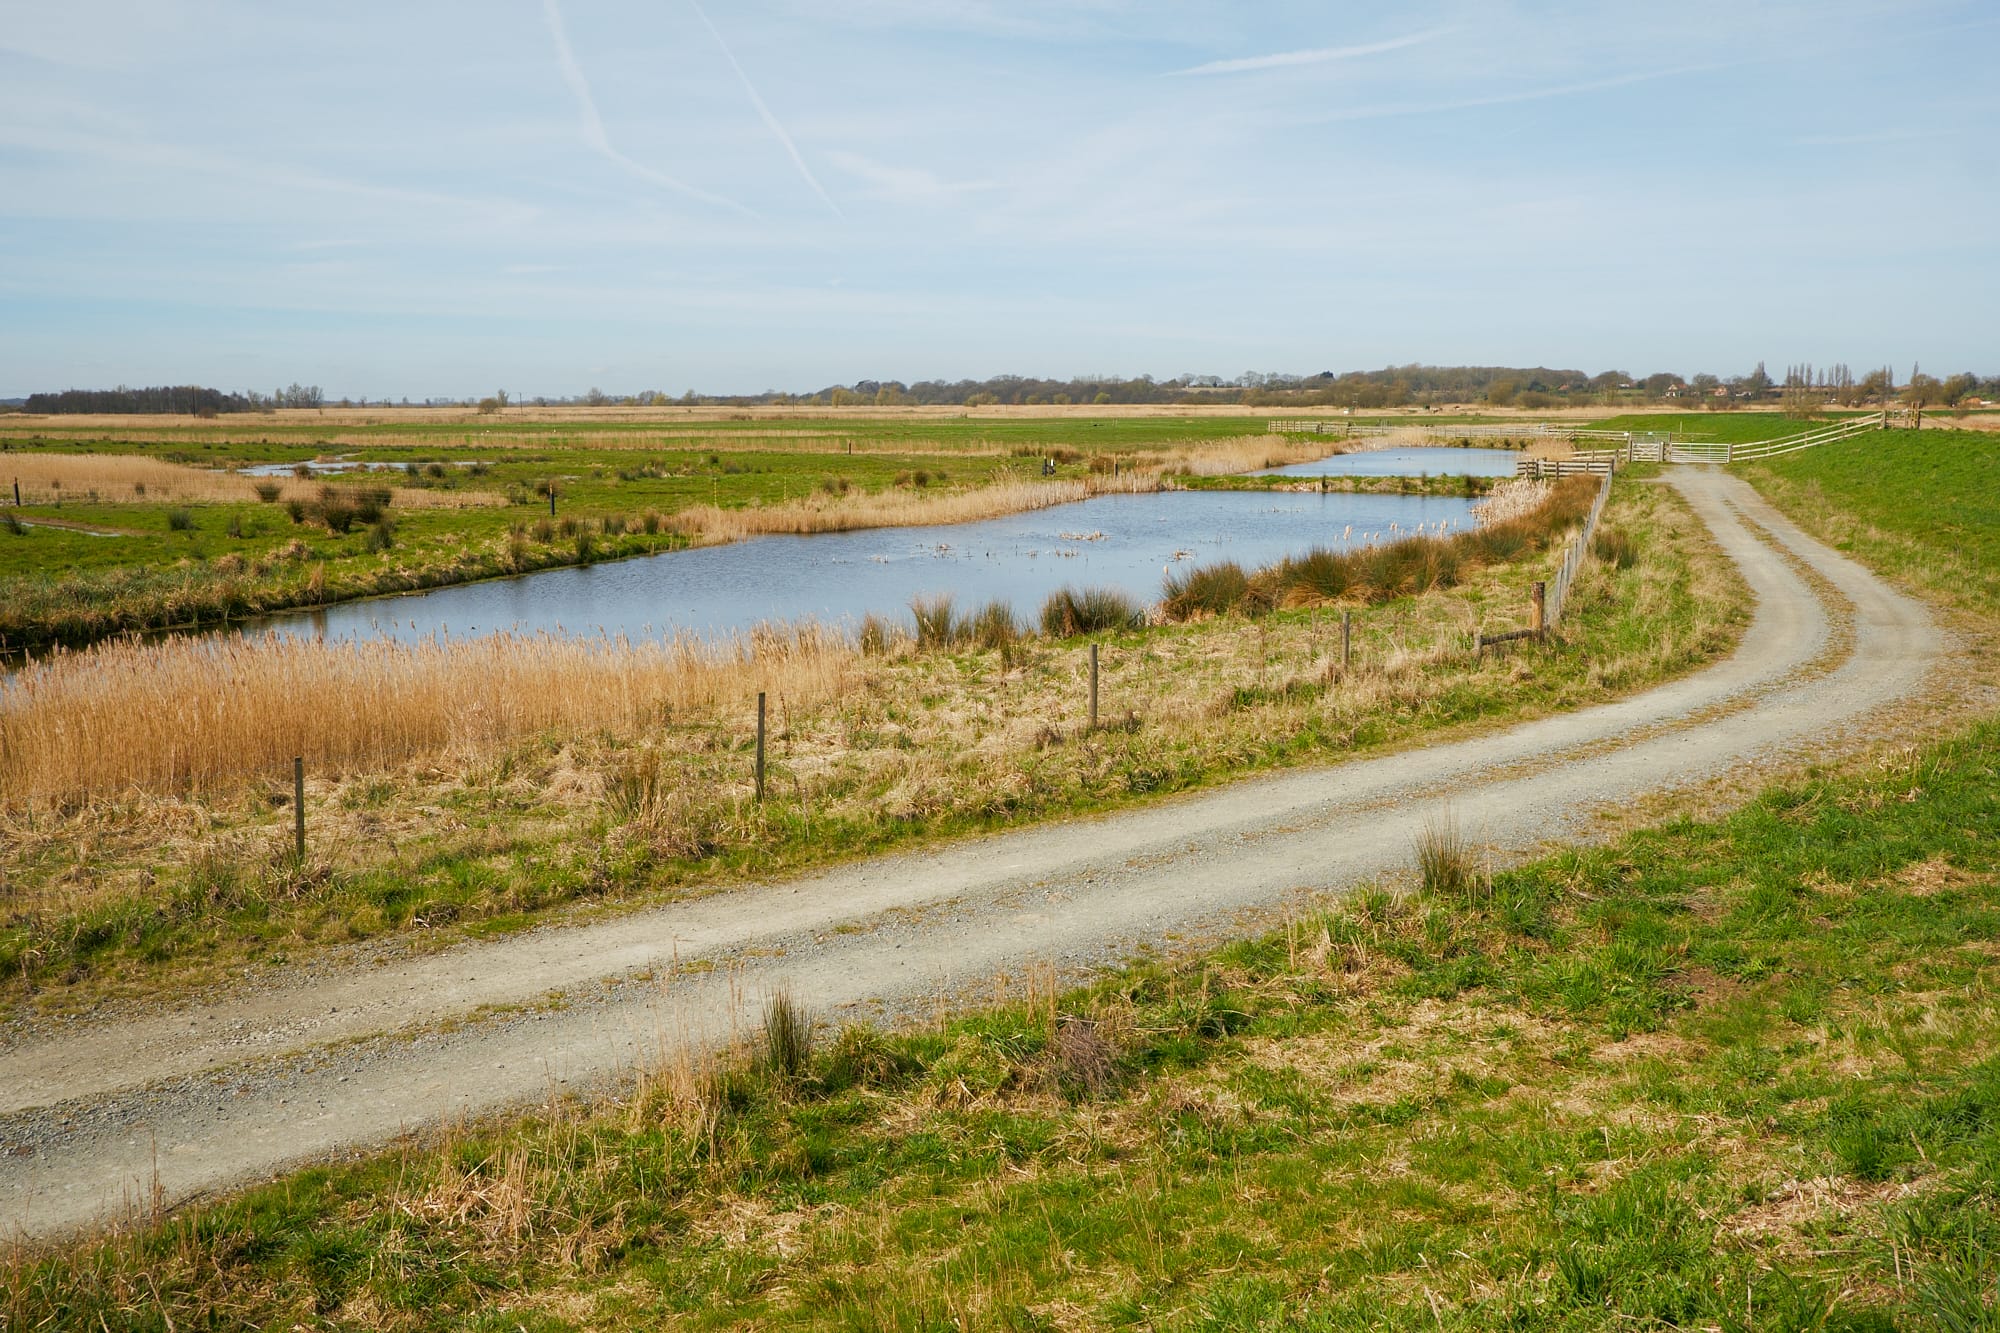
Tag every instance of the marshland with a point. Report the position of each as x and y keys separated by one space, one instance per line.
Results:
x=474 y=780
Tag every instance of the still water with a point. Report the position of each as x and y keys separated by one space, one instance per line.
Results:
x=1122 y=541
x=1407 y=463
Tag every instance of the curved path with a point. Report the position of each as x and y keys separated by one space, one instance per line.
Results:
x=190 y=1101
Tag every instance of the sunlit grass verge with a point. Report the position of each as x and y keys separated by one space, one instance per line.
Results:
x=131 y=887
x=1741 y=1074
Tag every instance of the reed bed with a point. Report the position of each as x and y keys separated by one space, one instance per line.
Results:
x=189 y=715
x=126 y=478
x=820 y=512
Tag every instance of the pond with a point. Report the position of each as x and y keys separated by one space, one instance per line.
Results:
x=1410 y=462
x=1122 y=541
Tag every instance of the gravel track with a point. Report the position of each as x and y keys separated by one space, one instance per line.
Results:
x=97 y=1118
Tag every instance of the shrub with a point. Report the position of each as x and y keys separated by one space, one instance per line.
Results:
x=235 y=528
x=180 y=520
x=835 y=485
x=370 y=501
x=1071 y=611
x=337 y=514
x=613 y=524
x=652 y=521
x=267 y=491
x=296 y=510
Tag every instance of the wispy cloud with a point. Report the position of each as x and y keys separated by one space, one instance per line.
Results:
x=1382 y=110
x=593 y=124
x=1857 y=140
x=896 y=182
x=770 y=121
x=1314 y=56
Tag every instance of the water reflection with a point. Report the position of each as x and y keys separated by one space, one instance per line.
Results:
x=1123 y=541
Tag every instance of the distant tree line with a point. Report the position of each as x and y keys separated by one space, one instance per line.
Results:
x=1805 y=389
x=181 y=399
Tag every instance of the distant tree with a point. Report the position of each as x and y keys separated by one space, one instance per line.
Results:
x=1877 y=385
x=596 y=397
x=1501 y=393
x=1958 y=388
x=1657 y=384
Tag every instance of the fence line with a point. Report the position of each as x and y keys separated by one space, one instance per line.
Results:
x=1572 y=560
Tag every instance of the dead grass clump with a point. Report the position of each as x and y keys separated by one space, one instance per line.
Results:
x=1083 y=1062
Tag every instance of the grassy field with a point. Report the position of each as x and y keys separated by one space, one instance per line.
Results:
x=147 y=857
x=1922 y=506
x=1729 y=1075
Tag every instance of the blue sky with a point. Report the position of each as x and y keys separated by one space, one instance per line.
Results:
x=550 y=195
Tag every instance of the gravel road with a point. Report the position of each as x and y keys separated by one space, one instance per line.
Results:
x=96 y=1117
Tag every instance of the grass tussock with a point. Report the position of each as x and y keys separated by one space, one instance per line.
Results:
x=1447 y=864
x=1741 y=1074
x=1071 y=611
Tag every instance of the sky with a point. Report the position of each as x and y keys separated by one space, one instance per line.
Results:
x=545 y=196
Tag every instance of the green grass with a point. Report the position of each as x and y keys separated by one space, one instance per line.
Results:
x=1921 y=506
x=1735 y=1074
x=1727 y=427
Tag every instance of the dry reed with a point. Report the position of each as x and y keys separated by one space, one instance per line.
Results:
x=195 y=713
x=124 y=478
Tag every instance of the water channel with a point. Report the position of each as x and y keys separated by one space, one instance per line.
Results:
x=1412 y=462
x=1122 y=541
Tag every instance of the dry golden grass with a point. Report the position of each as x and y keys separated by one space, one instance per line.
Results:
x=886 y=509
x=123 y=478
x=189 y=714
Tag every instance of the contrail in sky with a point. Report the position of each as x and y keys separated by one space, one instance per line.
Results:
x=1317 y=56
x=770 y=121
x=593 y=124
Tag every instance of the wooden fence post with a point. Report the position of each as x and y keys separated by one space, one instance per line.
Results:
x=299 y=805
x=1093 y=687
x=1537 y=604
x=552 y=497
x=1346 y=638
x=760 y=747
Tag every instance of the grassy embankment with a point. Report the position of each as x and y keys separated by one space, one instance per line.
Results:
x=150 y=856
x=1931 y=516
x=152 y=541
